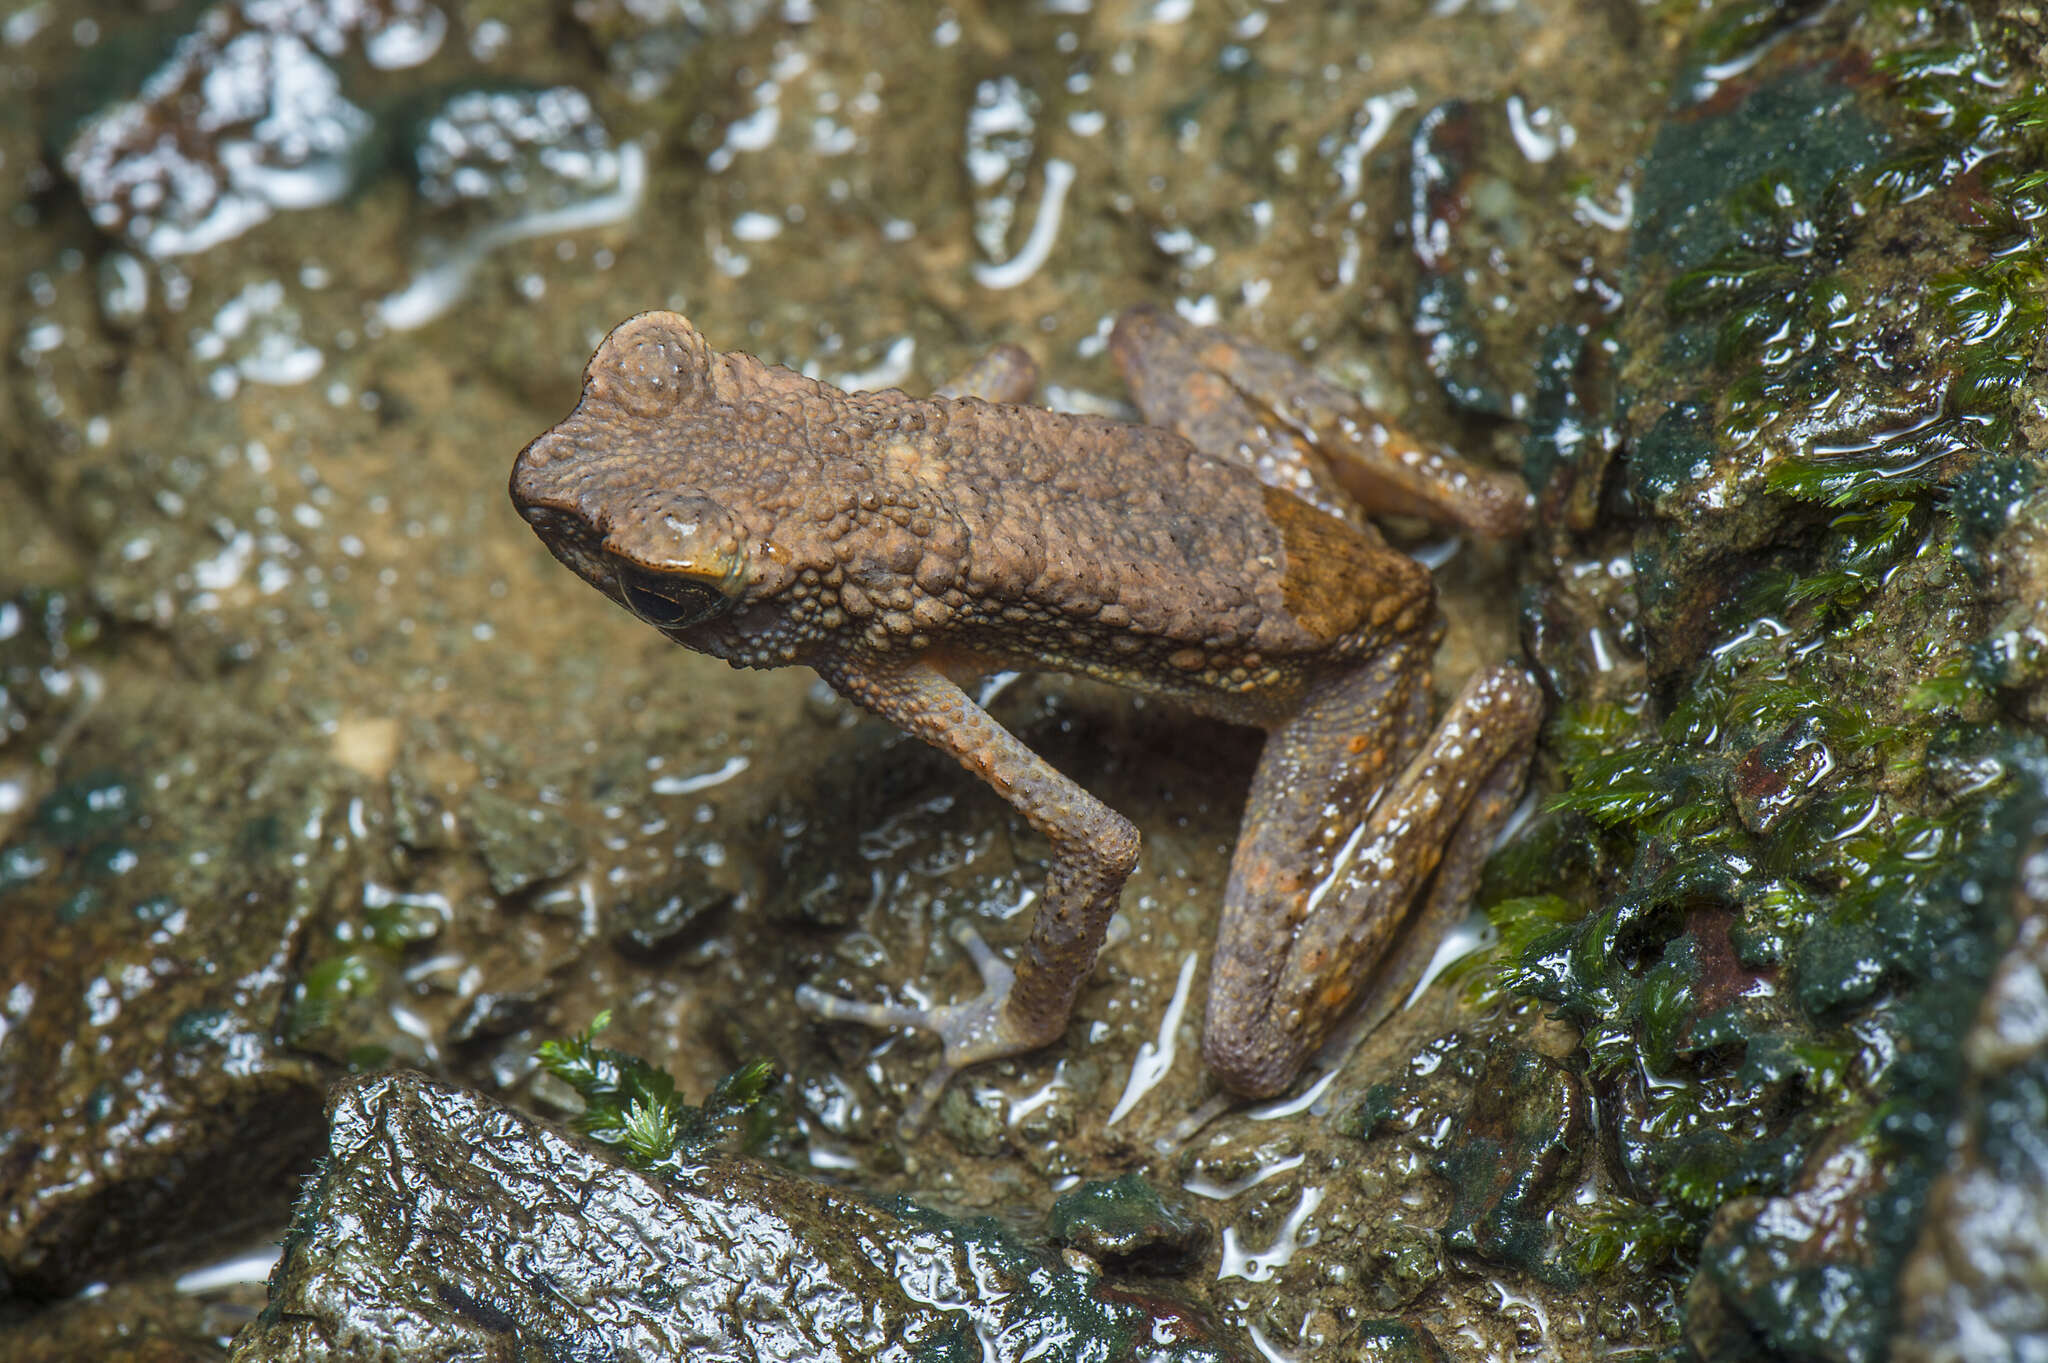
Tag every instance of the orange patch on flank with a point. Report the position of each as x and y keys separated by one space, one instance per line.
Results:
x=1335 y=577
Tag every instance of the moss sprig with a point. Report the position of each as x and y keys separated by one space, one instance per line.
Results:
x=634 y=1107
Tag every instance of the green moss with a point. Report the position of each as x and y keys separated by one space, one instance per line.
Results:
x=1955 y=686
x=1393 y=1341
x=1769 y=943
x=1975 y=117
x=633 y=1106
x=1803 y=126
x=1775 y=291
x=954 y=1346
x=324 y=989
x=82 y=833
x=1617 y=1236
x=399 y=921
x=1859 y=549
x=1795 y=844
x=1521 y=923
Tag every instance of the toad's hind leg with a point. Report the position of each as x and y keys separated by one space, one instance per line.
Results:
x=1331 y=898
x=1298 y=432
x=1093 y=851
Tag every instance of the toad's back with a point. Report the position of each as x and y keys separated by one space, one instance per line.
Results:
x=1025 y=536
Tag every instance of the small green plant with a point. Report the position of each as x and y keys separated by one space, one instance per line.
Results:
x=633 y=1107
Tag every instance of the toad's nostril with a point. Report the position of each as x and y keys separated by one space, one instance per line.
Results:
x=537 y=470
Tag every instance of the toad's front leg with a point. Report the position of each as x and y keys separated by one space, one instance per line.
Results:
x=1093 y=851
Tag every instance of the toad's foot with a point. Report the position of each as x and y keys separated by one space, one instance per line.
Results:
x=974 y=1030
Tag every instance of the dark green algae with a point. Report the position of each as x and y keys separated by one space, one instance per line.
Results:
x=1777 y=873
x=1851 y=317
x=1129 y=1222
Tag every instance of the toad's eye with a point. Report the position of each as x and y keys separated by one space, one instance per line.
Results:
x=668 y=601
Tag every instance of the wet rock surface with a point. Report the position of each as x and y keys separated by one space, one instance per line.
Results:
x=444 y=1225
x=1130 y=1223
x=143 y=1320
x=1976 y=1282
x=1512 y=1155
x=146 y=1101
x=311 y=761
